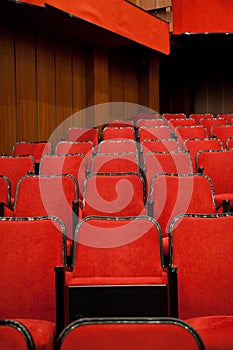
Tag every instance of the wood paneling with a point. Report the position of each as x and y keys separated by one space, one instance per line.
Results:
x=7 y=89
x=45 y=87
x=25 y=84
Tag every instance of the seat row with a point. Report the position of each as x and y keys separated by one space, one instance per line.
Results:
x=118 y=271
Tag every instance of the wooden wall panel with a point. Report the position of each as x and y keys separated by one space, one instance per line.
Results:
x=7 y=88
x=63 y=76
x=45 y=87
x=25 y=84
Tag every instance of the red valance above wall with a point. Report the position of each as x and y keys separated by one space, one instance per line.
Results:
x=201 y=16
x=119 y=17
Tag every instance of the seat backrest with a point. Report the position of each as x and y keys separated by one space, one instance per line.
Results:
x=229 y=143
x=14 y=335
x=111 y=132
x=196 y=145
x=83 y=134
x=130 y=334
x=117 y=146
x=190 y=132
x=41 y=195
x=202 y=251
x=218 y=165
x=166 y=162
x=209 y=122
x=32 y=248
x=228 y=117
x=174 y=194
x=166 y=145
x=83 y=147
x=222 y=132
x=173 y=123
x=5 y=190
x=168 y=116
x=150 y=122
x=73 y=164
x=21 y=165
x=35 y=149
x=118 y=247
x=115 y=162
x=154 y=133
x=198 y=116
x=109 y=194
x=119 y=123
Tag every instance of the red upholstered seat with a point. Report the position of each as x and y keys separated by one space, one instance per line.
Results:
x=117 y=146
x=168 y=116
x=119 y=261
x=21 y=165
x=209 y=122
x=228 y=117
x=202 y=253
x=32 y=248
x=174 y=194
x=114 y=194
x=150 y=122
x=229 y=143
x=35 y=149
x=222 y=132
x=173 y=123
x=165 y=145
x=130 y=334
x=114 y=133
x=5 y=190
x=119 y=123
x=218 y=165
x=190 y=132
x=198 y=116
x=196 y=145
x=83 y=134
x=84 y=147
x=15 y=336
x=115 y=162
x=154 y=133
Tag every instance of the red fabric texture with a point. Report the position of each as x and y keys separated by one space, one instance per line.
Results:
x=166 y=145
x=114 y=133
x=222 y=132
x=168 y=116
x=114 y=195
x=73 y=164
x=83 y=134
x=43 y=333
x=35 y=149
x=196 y=145
x=130 y=337
x=174 y=195
x=150 y=122
x=215 y=331
x=187 y=132
x=31 y=250
x=213 y=16
x=83 y=147
x=124 y=250
x=115 y=163
x=173 y=123
x=209 y=123
x=117 y=146
x=21 y=165
x=218 y=165
x=154 y=133
x=5 y=190
x=12 y=339
x=120 y=123
x=203 y=254
x=200 y=116
x=166 y=162
x=47 y=195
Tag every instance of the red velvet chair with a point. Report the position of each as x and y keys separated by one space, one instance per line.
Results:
x=222 y=132
x=117 y=146
x=196 y=145
x=115 y=162
x=22 y=165
x=75 y=134
x=72 y=164
x=166 y=162
x=32 y=248
x=200 y=276
x=218 y=165
x=174 y=194
x=84 y=147
x=228 y=117
x=153 y=133
x=173 y=123
x=168 y=116
x=209 y=122
x=5 y=190
x=114 y=133
x=150 y=122
x=130 y=334
x=229 y=143
x=198 y=116
x=39 y=195
x=113 y=194
x=164 y=145
x=35 y=149
x=119 y=123
x=117 y=269
x=15 y=336
x=189 y=132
